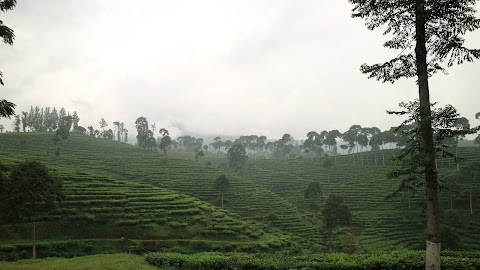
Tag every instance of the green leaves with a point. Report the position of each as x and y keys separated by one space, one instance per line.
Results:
x=237 y=156
x=7 y=108
x=447 y=126
x=445 y=22
x=31 y=188
x=221 y=184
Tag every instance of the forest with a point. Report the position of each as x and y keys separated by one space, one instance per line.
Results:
x=82 y=194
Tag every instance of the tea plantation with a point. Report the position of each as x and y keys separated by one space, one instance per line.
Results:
x=123 y=198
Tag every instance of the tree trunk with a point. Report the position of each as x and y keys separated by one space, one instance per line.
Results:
x=451 y=201
x=432 y=261
x=471 y=204
x=34 y=253
x=456 y=158
x=222 y=200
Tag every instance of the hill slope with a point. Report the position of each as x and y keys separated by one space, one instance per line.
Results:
x=83 y=154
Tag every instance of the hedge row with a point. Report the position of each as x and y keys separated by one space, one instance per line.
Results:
x=405 y=260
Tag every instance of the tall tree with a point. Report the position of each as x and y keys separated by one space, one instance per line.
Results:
x=312 y=193
x=198 y=153
x=165 y=141
x=436 y=29
x=217 y=143
x=142 y=127
x=222 y=185
x=75 y=120
x=103 y=124
x=30 y=191
x=16 y=123
x=116 y=131
x=237 y=156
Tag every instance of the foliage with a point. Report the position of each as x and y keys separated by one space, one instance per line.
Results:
x=31 y=189
x=335 y=213
x=408 y=260
x=165 y=142
x=445 y=127
x=450 y=238
x=237 y=156
x=313 y=191
x=445 y=23
x=7 y=108
x=189 y=143
x=222 y=185
x=145 y=137
x=199 y=153
x=327 y=163
x=314 y=143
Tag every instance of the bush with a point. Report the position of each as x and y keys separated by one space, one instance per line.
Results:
x=405 y=260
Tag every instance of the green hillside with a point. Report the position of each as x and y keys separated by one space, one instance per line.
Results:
x=96 y=170
x=111 y=183
x=385 y=224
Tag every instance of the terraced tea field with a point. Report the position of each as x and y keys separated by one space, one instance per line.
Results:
x=83 y=154
x=385 y=224
x=267 y=187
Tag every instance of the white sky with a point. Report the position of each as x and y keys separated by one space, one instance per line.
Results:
x=212 y=67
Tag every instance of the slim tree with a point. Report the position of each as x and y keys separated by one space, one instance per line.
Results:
x=312 y=193
x=421 y=29
x=103 y=124
x=222 y=185
x=16 y=123
x=31 y=191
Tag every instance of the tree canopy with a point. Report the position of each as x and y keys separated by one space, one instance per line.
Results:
x=237 y=156
x=30 y=190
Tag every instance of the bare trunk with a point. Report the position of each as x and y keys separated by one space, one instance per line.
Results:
x=471 y=204
x=451 y=201
x=34 y=253
x=432 y=261
x=456 y=158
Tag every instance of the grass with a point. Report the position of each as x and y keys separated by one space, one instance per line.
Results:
x=92 y=262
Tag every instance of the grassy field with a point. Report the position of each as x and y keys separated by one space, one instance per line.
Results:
x=93 y=262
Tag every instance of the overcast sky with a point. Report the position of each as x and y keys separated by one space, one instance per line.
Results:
x=212 y=67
